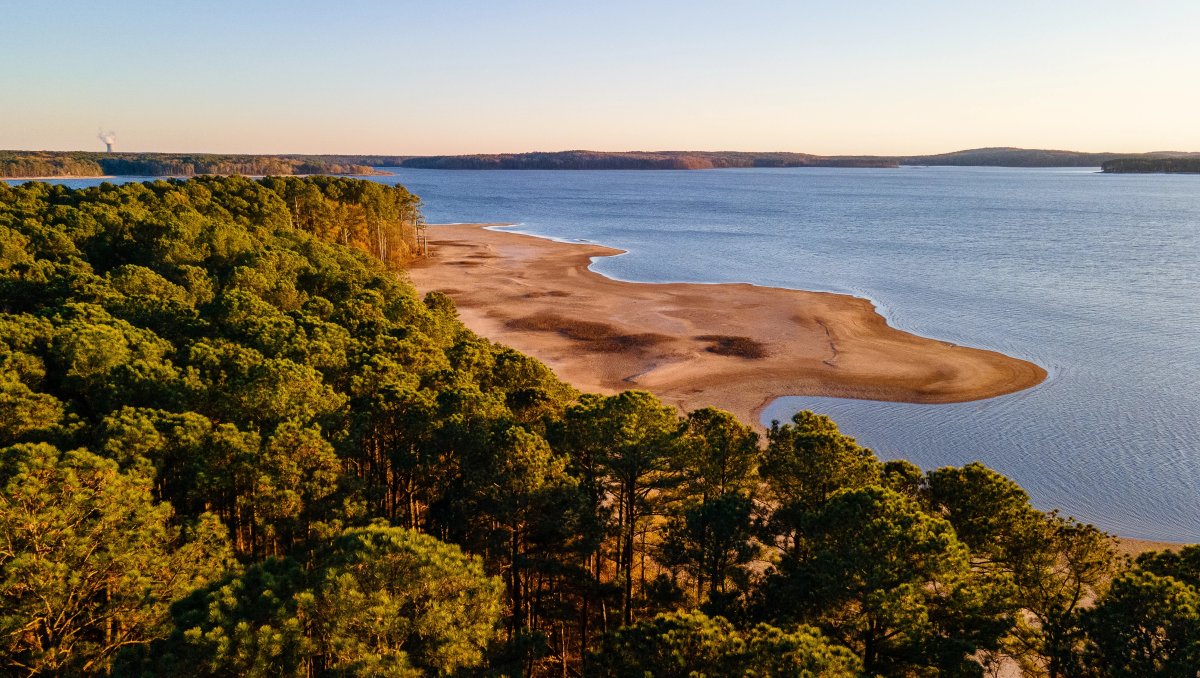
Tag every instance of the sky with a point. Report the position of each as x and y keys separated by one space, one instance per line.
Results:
x=446 y=77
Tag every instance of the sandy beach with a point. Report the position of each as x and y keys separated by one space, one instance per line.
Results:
x=732 y=346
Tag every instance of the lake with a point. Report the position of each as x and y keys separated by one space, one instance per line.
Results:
x=1095 y=277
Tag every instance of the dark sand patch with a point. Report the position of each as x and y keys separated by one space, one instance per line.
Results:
x=738 y=347
x=598 y=336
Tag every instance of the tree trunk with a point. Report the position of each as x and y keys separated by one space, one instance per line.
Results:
x=515 y=584
x=630 y=522
x=583 y=618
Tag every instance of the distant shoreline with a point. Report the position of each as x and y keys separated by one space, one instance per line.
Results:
x=180 y=176
x=46 y=165
x=60 y=176
x=698 y=160
x=42 y=165
x=1175 y=165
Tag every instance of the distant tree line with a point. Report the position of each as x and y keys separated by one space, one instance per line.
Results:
x=688 y=160
x=1175 y=165
x=53 y=163
x=233 y=442
x=668 y=160
x=64 y=164
x=48 y=164
x=1011 y=157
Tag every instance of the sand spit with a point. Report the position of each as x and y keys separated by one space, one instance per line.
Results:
x=733 y=346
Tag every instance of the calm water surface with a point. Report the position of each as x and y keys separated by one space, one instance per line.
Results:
x=1095 y=277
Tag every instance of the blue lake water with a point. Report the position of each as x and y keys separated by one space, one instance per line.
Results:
x=1095 y=277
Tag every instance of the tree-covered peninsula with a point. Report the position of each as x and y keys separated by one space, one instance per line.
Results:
x=235 y=442
x=1189 y=164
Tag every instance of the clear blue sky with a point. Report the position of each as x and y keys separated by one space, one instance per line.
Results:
x=441 y=76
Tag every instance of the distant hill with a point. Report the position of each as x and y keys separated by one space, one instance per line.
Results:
x=1176 y=164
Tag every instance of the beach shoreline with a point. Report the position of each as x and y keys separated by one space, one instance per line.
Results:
x=540 y=296
x=736 y=346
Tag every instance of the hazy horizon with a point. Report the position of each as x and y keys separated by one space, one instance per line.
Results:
x=463 y=78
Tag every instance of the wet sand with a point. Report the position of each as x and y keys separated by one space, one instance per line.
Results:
x=732 y=346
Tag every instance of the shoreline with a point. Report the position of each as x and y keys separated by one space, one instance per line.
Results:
x=540 y=296
x=882 y=309
x=736 y=346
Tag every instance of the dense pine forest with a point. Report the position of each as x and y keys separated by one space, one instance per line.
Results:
x=235 y=441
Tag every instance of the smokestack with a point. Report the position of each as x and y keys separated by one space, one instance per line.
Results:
x=110 y=140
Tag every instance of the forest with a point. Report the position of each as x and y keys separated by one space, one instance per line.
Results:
x=86 y=164
x=1189 y=164
x=234 y=441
